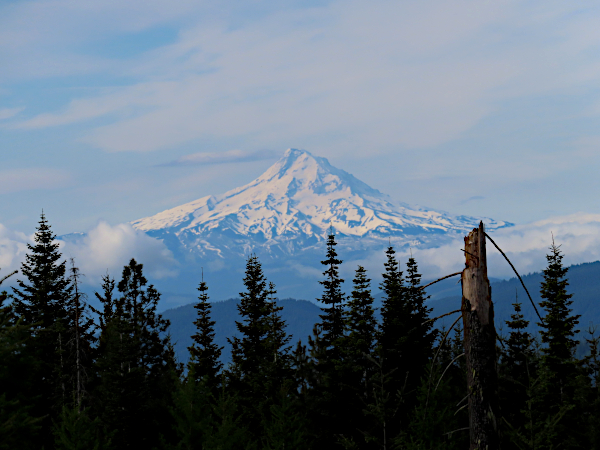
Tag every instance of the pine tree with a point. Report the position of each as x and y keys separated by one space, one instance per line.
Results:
x=554 y=400
x=517 y=371
x=406 y=337
x=204 y=353
x=558 y=328
x=420 y=335
x=76 y=431
x=18 y=428
x=332 y=319
x=136 y=364
x=260 y=356
x=41 y=302
x=357 y=346
x=325 y=398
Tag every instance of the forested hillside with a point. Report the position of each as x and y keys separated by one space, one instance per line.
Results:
x=302 y=315
x=74 y=376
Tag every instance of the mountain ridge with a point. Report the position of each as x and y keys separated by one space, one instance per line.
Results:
x=293 y=204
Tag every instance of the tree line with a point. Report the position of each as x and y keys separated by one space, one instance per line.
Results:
x=76 y=377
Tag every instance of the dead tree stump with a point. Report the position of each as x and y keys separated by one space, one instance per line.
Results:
x=480 y=344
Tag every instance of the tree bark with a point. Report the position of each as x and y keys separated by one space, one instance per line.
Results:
x=480 y=344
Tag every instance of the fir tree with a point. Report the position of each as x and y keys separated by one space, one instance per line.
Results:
x=136 y=364
x=204 y=353
x=406 y=337
x=554 y=396
x=332 y=319
x=558 y=328
x=260 y=356
x=325 y=398
x=18 y=428
x=76 y=431
x=41 y=302
x=357 y=345
x=517 y=370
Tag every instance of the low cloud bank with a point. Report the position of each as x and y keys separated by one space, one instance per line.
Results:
x=578 y=236
x=103 y=249
x=109 y=248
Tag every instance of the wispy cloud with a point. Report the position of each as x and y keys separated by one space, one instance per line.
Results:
x=17 y=180
x=405 y=74
x=7 y=113
x=472 y=199
x=226 y=157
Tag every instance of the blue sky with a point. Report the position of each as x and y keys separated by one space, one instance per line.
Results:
x=112 y=111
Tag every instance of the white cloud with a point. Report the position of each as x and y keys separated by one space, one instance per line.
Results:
x=525 y=245
x=109 y=248
x=13 y=247
x=104 y=248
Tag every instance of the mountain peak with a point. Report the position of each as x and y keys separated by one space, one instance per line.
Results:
x=297 y=199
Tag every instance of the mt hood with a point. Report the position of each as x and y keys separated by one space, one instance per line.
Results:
x=291 y=208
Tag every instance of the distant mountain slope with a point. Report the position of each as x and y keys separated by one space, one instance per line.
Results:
x=584 y=284
x=301 y=315
x=283 y=216
x=300 y=197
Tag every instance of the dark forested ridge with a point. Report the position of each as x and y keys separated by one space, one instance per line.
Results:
x=299 y=315
x=302 y=315
x=73 y=376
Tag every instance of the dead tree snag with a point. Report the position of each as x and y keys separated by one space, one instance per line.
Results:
x=480 y=344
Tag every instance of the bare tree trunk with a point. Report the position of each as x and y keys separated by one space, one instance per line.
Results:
x=480 y=345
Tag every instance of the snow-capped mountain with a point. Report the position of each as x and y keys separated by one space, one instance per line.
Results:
x=291 y=207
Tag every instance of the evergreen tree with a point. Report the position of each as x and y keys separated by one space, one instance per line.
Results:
x=558 y=329
x=517 y=371
x=193 y=413
x=41 y=302
x=76 y=431
x=286 y=427
x=419 y=335
x=406 y=338
x=332 y=319
x=204 y=353
x=136 y=364
x=356 y=368
x=554 y=401
x=18 y=428
x=259 y=356
x=325 y=397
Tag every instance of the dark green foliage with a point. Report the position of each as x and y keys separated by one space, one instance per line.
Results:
x=204 y=353
x=261 y=361
x=356 y=369
x=518 y=369
x=326 y=397
x=286 y=428
x=555 y=393
x=406 y=338
x=135 y=365
x=332 y=319
x=74 y=430
x=41 y=302
x=193 y=414
x=558 y=329
x=18 y=429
